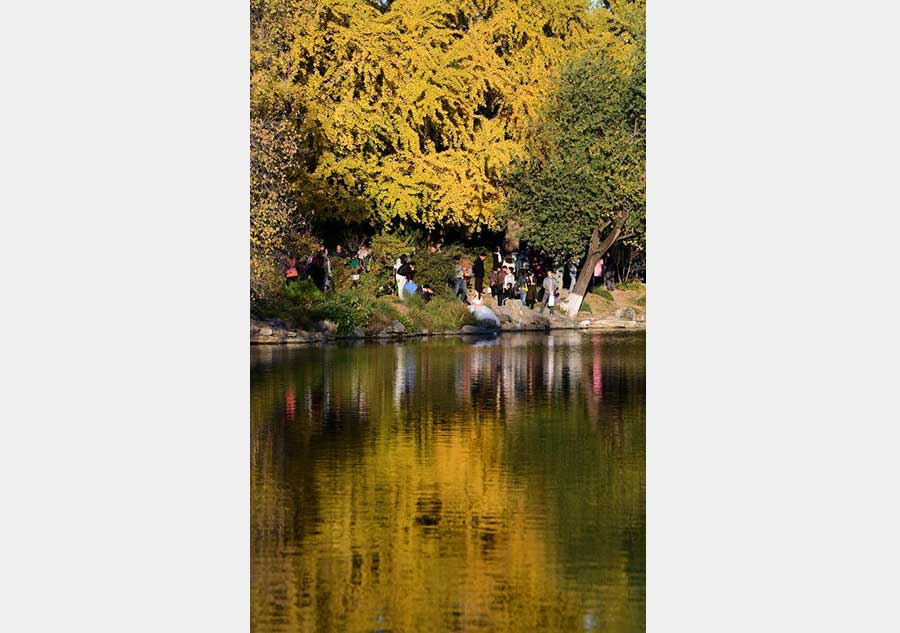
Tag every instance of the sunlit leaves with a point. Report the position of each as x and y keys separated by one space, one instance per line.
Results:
x=412 y=111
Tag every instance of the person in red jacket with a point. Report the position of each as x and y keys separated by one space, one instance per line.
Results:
x=291 y=274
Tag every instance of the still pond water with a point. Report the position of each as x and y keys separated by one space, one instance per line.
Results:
x=449 y=485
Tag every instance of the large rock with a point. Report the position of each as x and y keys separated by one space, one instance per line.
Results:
x=518 y=313
x=325 y=327
x=626 y=314
x=484 y=315
x=559 y=322
x=396 y=327
x=616 y=324
x=266 y=331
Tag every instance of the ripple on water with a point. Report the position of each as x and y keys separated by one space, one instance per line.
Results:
x=437 y=485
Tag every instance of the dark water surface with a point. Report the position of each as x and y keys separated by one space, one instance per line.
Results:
x=449 y=485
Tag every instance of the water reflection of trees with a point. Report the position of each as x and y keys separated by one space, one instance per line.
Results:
x=449 y=486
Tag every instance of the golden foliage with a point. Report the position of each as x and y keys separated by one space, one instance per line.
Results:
x=411 y=111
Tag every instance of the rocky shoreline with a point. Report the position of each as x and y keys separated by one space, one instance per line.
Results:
x=512 y=317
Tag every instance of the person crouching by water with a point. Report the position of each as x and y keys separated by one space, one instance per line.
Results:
x=551 y=291
x=424 y=292
x=401 y=280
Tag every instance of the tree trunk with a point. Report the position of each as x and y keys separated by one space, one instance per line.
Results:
x=511 y=237
x=596 y=250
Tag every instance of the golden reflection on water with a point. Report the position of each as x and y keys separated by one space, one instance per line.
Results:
x=449 y=485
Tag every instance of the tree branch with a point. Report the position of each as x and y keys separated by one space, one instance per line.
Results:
x=613 y=235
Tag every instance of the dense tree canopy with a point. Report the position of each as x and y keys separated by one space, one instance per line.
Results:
x=410 y=111
x=586 y=165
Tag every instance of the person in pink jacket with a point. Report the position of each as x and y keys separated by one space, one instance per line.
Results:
x=598 y=272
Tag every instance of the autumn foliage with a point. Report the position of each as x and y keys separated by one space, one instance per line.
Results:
x=405 y=112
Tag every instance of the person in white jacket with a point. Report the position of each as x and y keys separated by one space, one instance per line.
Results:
x=509 y=283
x=401 y=280
x=551 y=288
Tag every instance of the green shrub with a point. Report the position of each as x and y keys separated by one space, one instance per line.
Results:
x=340 y=274
x=302 y=291
x=288 y=302
x=632 y=284
x=585 y=307
x=378 y=280
x=267 y=267
x=382 y=315
x=371 y=304
x=331 y=309
x=438 y=315
x=437 y=269
x=348 y=309
x=641 y=301
x=603 y=293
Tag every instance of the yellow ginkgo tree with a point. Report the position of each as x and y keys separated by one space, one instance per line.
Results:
x=409 y=111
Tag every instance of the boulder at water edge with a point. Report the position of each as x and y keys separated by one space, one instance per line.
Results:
x=518 y=313
x=326 y=326
x=484 y=315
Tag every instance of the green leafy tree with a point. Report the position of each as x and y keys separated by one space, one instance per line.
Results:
x=582 y=188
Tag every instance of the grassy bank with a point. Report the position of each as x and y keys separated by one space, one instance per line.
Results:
x=600 y=301
x=302 y=306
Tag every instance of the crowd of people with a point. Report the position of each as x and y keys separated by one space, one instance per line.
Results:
x=318 y=266
x=521 y=275
x=524 y=275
